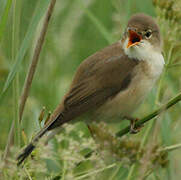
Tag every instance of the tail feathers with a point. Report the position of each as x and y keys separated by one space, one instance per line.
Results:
x=28 y=149
x=26 y=152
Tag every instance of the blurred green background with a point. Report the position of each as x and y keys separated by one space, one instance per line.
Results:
x=77 y=29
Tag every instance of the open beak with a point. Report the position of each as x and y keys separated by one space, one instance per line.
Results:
x=134 y=38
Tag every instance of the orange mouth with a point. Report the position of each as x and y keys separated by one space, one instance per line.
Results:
x=134 y=38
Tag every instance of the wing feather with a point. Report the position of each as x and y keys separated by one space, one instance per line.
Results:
x=98 y=78
x=109 y=78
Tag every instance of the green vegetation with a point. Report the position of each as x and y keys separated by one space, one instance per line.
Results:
x=77 y=29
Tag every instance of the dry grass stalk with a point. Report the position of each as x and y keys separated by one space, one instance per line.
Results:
x=32 y=68
x=29 y=78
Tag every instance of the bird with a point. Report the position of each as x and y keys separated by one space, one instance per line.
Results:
x=112 y=82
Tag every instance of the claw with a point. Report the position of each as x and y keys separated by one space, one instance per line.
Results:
x=133 y=129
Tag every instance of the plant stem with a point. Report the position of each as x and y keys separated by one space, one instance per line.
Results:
x=131 y=172
x=97 y=23
x=95 y=172
x=14 y=134
x=9 y=143
x=113 y=176
x=64 y=170
x=33 y=65
x=174 y=65
x=172 y=147
x=4 y=17
x=150 y=116
x=15 y=45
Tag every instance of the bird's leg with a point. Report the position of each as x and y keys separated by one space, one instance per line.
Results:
x=90 y=130
x=133 y=129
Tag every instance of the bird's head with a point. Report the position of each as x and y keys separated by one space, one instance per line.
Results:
x=142 y=36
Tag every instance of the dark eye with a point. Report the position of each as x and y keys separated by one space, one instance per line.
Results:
x=148 y=34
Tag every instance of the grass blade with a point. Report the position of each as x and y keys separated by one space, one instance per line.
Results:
x=98 y=24
x=43 y=5
x=4 y=17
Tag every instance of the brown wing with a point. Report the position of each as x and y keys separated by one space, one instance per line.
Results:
x=99 y=77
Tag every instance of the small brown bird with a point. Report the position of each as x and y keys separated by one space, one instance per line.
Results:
x=113 y=81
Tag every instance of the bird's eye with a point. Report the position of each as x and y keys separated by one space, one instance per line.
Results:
x=148 y=34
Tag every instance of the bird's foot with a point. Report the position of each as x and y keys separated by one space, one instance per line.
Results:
x=90 y=130
x=133 y=128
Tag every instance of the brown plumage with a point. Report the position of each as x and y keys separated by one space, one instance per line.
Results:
x=88 y=90
x=107 y=79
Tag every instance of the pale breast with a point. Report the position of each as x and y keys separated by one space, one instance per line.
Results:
x=143 y=79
